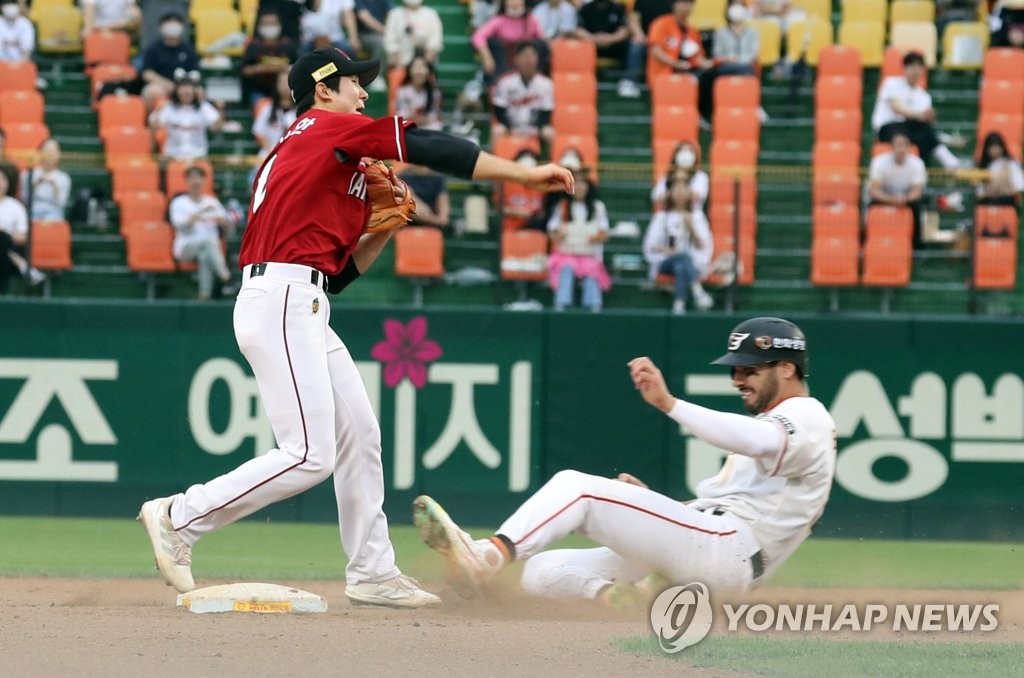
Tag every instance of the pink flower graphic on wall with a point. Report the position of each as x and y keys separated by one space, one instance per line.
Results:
x=405 y=352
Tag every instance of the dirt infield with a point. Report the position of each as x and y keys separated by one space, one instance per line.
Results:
x=131 y=627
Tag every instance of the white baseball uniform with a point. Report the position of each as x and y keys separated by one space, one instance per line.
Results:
x=743 y=525
x=523 y=100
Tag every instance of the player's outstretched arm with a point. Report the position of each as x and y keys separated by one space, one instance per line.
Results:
x=548 y=178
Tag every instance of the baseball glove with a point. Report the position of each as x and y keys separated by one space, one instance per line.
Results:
x=390 y=198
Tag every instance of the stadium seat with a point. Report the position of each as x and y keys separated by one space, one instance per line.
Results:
x=674 y=89
x=831 y=124
x=832 y=155
x=817 y=31
x=121 y=110
x=723 y=219
x=586 y=145
x=964 y=44
x=996 y=96
x=126 y=141
x=738 y=124
x=107 y=47
x=836 y=186
x=911 y=10
x=1004 y=63
x=887 y=261
x=20 y=106
x=821 y=9
x=996 y=221
x=59 y=29
x=18 y=75
x=174 y=177
x=140 y=208
x=247 y=10
x=889 y=220
x=25 y=136
x=575 y=88
x=724 y=185
x=136 y=176
x=149 y=247
x=737 y=91
x=728 y=155
x=675 y=123
x=867 y=37
x=573 y=56
x=747 y=251
x=1009 y=125
x=836 y=219
x=104 y=73
x=212 y=26
x=508 y=146
x=892 y=64
x=51 y=245
x=770 y=41
x=37 y=6
x=864 y=10
x=837 y=91
x=198 y=6
x=708 y=15
x=834 y=260
x=419 y=255
x=524 y=255
x=841 y=60
x=919 y=36
x=995 y=264
x=575 y=119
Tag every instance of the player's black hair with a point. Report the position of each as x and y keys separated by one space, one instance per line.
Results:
x=333 y=83
x=913 y=59
x=992 y=139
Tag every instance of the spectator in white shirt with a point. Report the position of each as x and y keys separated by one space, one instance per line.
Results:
x=50 y=186
x=330 y=22
x=557 y=18
x=418 y=99
x=685 y=167
x=272 y=120
x=899 y=178
x=17 y=35
x=1005 y=180
x=186 y=119
x=904 y=105
x=110 y=15
x=679 y=243
x=197 y=220
x=411 y=29
x=13 y=238
x=524 y=98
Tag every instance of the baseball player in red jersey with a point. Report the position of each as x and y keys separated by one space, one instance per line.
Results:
x=305 y=237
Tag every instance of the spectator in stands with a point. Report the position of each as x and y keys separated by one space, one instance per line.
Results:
x=17 y=34
x=497 y=39
x=198 y=220
x=782 y=12
x=8 y=168
x=153 y=12
x=186 y=119
x=411 y=29
x=557 y=18
x=1005 y=180
x=110 y=15
x=904 y=105
x=371 y=16
x=163 y=58
x=578 y=227
x=685 y=169
x=268 y=55
x=678 y=243
x=673 y=45
x=604 y=23
x=272 y=120
x=330 y=23
x=520 y=204
x=898 y=178
x=524 y=98
x=46 y=188
x=419 y=98
x=642 y=15
x=1006 y=22
x=13 y=238
x=430 y=189
x=735 y=52
x=290 y=12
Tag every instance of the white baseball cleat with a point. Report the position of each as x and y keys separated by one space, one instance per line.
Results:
x=470 y=563
x=402 y=591
x=173 y=555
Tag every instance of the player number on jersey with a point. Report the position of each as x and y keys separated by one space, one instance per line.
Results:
x=261 y=184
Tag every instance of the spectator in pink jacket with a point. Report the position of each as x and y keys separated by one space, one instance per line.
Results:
x=496 y=40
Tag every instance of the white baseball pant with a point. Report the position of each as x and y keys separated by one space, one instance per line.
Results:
x=641 y=532
x=321 y=418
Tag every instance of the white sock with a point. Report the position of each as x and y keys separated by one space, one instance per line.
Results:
x=946 y=157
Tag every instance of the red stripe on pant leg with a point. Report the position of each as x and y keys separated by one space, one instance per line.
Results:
x=302 y=416
x=616 y=502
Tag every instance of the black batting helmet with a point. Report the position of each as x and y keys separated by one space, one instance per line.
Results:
x=765 y=340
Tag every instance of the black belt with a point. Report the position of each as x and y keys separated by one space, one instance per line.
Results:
x=756 y=560
x=315 y=277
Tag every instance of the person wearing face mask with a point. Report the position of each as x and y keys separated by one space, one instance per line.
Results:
x=268 y=55
x=153 y=12
x=17 y=35
x=496 y=41
x=685 y=167
x=736 y=47
x=679 y=243
x=412 y=28
x=45 y=188
x=290 y=12
x=164 y=57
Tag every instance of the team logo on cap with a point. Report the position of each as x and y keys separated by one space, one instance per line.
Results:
x=321 y=73
x=763 y=341
x=736 y=338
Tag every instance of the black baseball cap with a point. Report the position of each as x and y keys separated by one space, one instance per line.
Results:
x=314 y=66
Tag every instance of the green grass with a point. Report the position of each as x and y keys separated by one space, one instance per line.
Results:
x=806 y=657
x=250 y=549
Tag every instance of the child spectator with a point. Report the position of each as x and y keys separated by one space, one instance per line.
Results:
x=186 y=119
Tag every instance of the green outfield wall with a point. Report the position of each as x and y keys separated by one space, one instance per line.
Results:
x=105 y=404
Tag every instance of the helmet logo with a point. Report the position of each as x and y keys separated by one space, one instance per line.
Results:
x=736 y=338
x=763 y=341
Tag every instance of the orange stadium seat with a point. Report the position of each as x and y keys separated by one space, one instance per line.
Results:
x=834 y=260
x=835 y=155
x=575 y=119
x=1000 y=96
x=419 y=255
x=21 y=106
x=575 y=88
x=723 y=219
x=738 y=91
x=836 y=185
x=124 y=140
x=149 y=247
x=841 y=60
x=121 y=110
x=747 y=251
x=18 y=75
x=995 y=264
x=25 y=136
x=675 y=122
x=889 y=220
x=728 y=154
x=837 y=220
x=175 y=176
x=674 y=89
x=508 y=146
x=139 y=175
x=724 y=186
x=1009 y=125
x=107 y=47
x=996 y=221
x=738 y=124
x=1004 y=63
x=519 y=246
x=837 y=91
x=140 y=208
x=573 y=56
x=831 y=124
x=887 y=261
x=586 y=145
x=51 y=245
x=110 y=73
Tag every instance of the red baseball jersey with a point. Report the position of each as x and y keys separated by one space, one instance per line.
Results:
x=309 y=202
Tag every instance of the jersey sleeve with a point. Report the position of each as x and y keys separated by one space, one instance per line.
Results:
x=359 y=136
x=807 y=431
